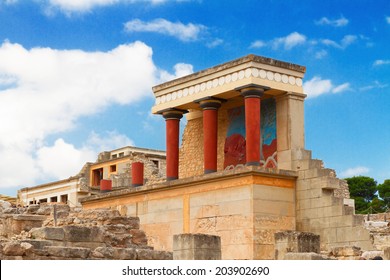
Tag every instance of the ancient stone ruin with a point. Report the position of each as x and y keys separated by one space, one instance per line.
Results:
x=54 y=232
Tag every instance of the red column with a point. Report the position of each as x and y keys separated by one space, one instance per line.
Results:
x=137 y=174
x=252 y=95
x=105 y=185
x=172 y=120
x=210 y=133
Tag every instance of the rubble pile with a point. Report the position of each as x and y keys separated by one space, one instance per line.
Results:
x=54 y=231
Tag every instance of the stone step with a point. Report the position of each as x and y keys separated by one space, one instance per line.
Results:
x=306 y=164
x=318 y=172
x=300 y=154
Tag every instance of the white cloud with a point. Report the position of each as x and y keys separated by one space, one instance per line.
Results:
x=288 y=42
x=82 y=6
x=388 y=20
x=341 y=88
x=109 y=141
x=318 y=86
x=381 y=62
x=62 y=160
x=292 y=40
x=342 y=21
x=183 y=32
x=181 y=69
x=257 y=44
x=321 y=54
x=355 y=171
x=44 y=91
x=215 y=43
x=344 y=43
x=375 y=85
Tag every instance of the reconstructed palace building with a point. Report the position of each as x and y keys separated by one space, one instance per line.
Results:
x=242 y=171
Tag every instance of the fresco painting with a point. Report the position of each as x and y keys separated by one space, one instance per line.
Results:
x=234 y=148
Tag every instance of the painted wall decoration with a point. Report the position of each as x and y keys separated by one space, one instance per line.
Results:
x=234 y=148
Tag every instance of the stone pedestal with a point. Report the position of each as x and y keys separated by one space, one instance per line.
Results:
x=196 y=247
x=295 y=242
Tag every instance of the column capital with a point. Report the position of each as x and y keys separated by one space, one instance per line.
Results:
x=252 y=90
x=210 y=103
x=172 y=113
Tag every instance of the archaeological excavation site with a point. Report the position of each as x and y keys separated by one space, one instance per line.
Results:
x=238 y=184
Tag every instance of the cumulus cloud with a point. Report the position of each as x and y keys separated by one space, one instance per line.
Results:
x=257 y=44
x=342 y=21
x=381 y=62
x=343 y=44
x=181 y=69
x=44 y=91
x=318 y=86
x=355 y=171
x=183 y=32
x=63 y=159
x=290 y=41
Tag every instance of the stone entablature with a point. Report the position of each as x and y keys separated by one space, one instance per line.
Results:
x=222 y=81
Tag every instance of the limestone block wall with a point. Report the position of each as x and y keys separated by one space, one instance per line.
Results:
x=274 y=211
x=322 y=212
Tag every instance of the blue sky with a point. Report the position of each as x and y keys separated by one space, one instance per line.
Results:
x=76 y=75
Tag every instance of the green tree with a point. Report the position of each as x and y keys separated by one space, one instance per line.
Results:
x=361 y=206
x=362 y=186
x=384 y=192
x=363 y=189
x=377 y=205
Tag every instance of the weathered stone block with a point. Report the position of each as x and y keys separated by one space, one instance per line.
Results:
x=125 y=254
x=386 y=253
x=138 y=237
x=32 y=209
x=83 y=234
x=304 y=256
x=346 y=251
x=16 y=248
x=103 y=253
x=38 y=244
x=196 y=247
x=48 y=233
x=68 y=253
x=294 y=241
x=371 y=254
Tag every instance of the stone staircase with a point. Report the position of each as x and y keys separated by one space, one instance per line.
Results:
x=323 y=205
